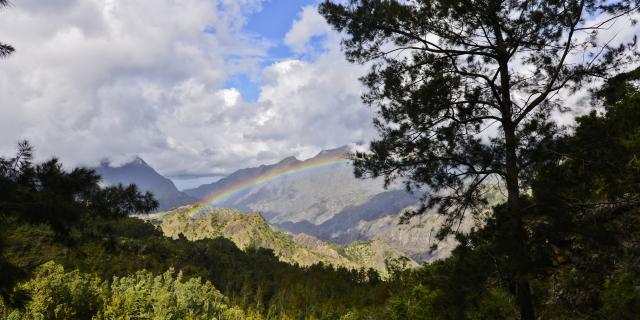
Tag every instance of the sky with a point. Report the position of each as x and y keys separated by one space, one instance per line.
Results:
x=197 y=88
x=194 y=87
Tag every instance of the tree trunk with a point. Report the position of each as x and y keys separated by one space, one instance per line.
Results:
x=520 y=255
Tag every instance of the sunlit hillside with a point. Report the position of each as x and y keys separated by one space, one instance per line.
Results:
x=251 y=230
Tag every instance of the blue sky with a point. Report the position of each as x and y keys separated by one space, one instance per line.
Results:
x=271 y=23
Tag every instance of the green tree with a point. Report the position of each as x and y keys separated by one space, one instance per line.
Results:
x=587 y=204
x=56 y=294
x=45 y=193
x=166 y=296
x=444 y=73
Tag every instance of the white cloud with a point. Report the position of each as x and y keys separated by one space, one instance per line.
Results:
x=310 y=24
x=118 y=78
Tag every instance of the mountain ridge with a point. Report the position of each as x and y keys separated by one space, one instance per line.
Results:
x=204 y=190
x=140 y=173
x=248 y=230
x=327 y=203
x=315 y=195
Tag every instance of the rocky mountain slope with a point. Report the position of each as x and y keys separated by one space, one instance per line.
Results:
x=337 y=229
x=330 y=204
x=314 y=196
x=414 y=238
x=252 y=230
x=147 y=179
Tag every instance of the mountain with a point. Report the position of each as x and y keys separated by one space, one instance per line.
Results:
x=312 y=191
x=379 y=219
x=336 y=229
x=329 y=203
x=147 y=179
x=252 y=230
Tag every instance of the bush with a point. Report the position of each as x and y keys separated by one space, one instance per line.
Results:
x=56 y=294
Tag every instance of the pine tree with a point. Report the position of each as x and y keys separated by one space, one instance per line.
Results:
x=445 y=73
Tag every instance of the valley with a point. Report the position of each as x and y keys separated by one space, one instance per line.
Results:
x=307 y=211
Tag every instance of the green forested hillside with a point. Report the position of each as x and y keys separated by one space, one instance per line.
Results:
x=254 y=279
x=251 y=230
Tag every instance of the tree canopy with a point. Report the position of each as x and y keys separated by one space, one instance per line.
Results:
x=465 y=93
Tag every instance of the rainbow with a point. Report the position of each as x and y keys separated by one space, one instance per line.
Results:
x=216 y=198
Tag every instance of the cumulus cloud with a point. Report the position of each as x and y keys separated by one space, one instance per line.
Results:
x=115 y=78
x=309 y=25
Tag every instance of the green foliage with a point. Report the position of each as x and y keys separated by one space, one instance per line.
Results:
x=621 y=297
x=449 y=289
x=47 y=194
x=56 y=294
x=585 y=223
x=166 y=296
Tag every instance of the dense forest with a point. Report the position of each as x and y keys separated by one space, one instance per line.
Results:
x=564 y=244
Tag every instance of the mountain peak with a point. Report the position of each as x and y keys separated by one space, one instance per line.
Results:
x=138 y=161
x=140 y=173
x=344 y=150
x=289 y=160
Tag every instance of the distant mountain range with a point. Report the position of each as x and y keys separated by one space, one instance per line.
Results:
x=330 y=204
x=313 y=196
x=147 y=179
x=318 y=197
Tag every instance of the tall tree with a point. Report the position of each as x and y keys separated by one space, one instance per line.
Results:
x=588 y=200
x=5 y=49
x=465 y=91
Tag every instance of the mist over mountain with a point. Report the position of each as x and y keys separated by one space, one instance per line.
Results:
x=336 y=229
x=138 y=172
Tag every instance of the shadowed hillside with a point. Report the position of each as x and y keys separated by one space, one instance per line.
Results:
x=138 y=172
